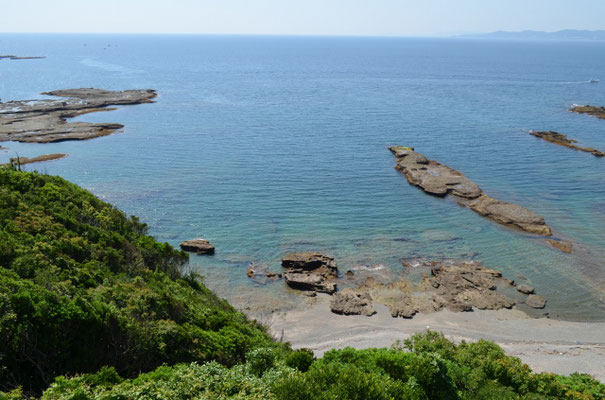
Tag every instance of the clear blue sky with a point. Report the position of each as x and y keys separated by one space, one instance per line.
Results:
x=300 y=17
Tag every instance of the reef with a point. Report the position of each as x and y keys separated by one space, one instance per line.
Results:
x=441 y=180
x=562 y=140
x=44 y=121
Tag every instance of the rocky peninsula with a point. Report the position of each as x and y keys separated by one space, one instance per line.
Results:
x=596 y=111
x=441 y=180
x=44 y=121
x=44 y=157
x=562 y=140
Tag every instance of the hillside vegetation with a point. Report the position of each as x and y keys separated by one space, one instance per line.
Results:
x=93 y=308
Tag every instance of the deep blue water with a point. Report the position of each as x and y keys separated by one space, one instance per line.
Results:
x=267 y=145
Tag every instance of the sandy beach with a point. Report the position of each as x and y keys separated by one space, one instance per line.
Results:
x=544 y=344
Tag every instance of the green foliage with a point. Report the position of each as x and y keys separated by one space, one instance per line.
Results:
x=82 y=286
x=300 y=359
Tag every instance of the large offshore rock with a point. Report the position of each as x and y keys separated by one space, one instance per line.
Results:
x=310 y=271
x=596 y=111
x=440 y=180
x=199 y=246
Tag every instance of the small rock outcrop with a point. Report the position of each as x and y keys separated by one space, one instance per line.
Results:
x=525 y=289
x=44 y=121
x=311 y=272
x=352 y=302
x=596 y=111
x=460 y=286
x=440 y=180
x=199 y=246
x=535 y=301
x=562 y=140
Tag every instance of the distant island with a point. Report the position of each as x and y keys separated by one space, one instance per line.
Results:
x=563 y=35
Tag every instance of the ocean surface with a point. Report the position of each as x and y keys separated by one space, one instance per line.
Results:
x=267 y=145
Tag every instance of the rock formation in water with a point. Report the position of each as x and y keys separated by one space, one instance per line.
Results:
x=199 y=246
x=440 y=180
x=310 y=272
x=11 y=57
x=44 y=157
x=43 y=121
x=596 y=111
x=535 y=301
x=562 y=140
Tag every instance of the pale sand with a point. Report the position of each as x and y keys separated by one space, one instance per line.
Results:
x=545 y=345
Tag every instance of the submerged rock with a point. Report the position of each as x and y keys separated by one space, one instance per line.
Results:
x=562 y=140
x=43 y=121
x=199 y=246
x=352 y=302
x=310 y=271
x=596 y=111
x=261 y=274
x=563 y=245
x=535 y=301
x=437 y=179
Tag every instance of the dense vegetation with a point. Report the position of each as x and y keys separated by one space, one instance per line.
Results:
x=92 y=308
x=82 y=286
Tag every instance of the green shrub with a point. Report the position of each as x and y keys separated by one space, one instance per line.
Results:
x=300 y=359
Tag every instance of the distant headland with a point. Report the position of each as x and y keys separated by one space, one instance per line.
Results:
x=562 y=35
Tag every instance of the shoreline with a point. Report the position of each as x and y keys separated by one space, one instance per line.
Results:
x=546 y=345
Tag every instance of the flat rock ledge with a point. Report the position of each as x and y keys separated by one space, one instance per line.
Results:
x=27 y=160
x=44 y=121
x=199 y=246
x=310 y=272
x=440 y=180
x=456 y=285
x=596 y=111
x=562 y=140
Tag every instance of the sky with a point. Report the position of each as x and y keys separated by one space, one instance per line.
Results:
x=300 y=17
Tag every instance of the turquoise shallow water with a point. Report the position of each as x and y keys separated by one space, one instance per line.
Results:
x=267 y=145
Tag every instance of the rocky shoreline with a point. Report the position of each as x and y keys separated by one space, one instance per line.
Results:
x=454 y=284
x=595 y=111
x=44 y=121
x=440 y=180
x=562 y=140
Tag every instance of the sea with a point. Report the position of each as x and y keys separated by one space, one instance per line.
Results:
x=267 y=145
